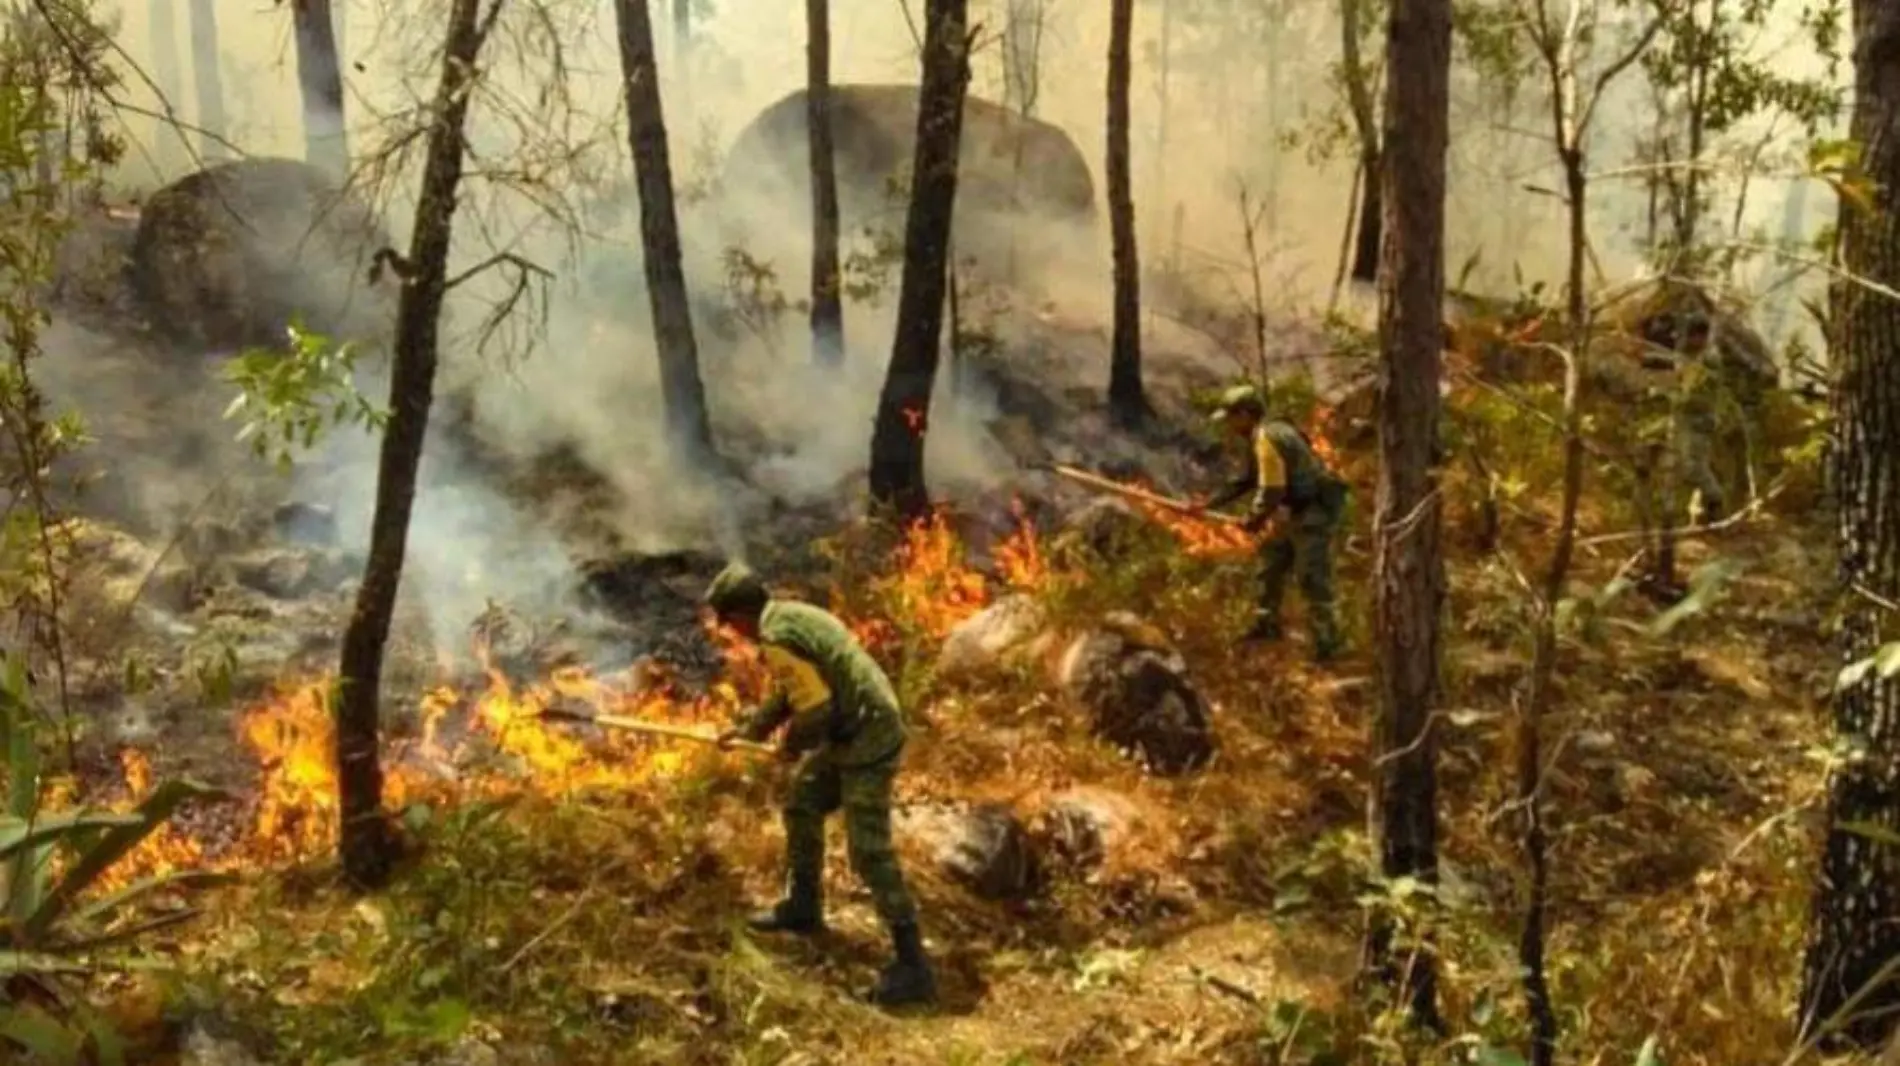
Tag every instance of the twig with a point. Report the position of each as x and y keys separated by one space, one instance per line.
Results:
x=552 y=927
x=1876 y=598
x=1224 y=986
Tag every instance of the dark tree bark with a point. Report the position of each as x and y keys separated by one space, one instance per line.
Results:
x=903 y=410
x=1127 y=402
x=1850 y=990
x=320 y=76
x=1409 y=574
x=689 y=429
x=208 y=76
x=1368 y=238
x=167 y=71
x=827 y=305
x=366 y=842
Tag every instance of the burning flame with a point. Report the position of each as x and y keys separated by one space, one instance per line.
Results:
x=496 y=739
x=495 y=736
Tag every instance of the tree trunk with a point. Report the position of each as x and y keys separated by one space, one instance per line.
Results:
x=1365 y=258
x=1410 y=578
x=340 y=28
x=167 y=72
x=1365 y=249
x=320 y=76
x=1849 y=985
x=1127 y=403
x=365 y=841
x=689 y=429
x=209 y=78
x=903 y=410
x=827 y=306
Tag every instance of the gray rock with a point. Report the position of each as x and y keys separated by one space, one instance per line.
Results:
x=203 y=1049
x=986 y=639
x=1105 y=526
x=305 y=523
x=291 y=573
x=1083 y=826
x=1136 y=691
x=985 y=848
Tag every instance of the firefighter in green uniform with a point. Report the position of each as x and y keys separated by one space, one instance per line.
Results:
x=846 y=731
x=1698 y=399
x=1300 y=502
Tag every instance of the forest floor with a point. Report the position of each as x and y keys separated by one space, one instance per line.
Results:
x=584 y=905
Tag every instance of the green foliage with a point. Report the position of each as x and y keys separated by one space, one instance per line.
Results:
x=1883 y=664
x=289 y=397
x=60 y=921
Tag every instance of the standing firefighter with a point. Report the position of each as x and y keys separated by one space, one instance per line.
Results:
x=1684 y=343
x=1284 y=472
x=843 y=726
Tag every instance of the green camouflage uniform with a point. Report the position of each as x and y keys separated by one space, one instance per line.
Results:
x=849 y=747
x=1697 y=423
x=1301 y=546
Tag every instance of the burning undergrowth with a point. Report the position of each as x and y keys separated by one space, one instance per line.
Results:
x=504 y=731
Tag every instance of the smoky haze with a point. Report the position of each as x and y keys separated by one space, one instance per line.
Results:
x=1239 y=98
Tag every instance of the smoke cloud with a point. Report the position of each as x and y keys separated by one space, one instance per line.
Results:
x=1224 y=101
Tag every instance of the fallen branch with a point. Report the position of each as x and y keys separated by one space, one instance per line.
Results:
x=1753 y=510
x=1097 y=481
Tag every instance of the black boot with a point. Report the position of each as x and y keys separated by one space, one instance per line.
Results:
x=1327 y=643
x=801 y=911
x=908 y=979
x=1265 y=630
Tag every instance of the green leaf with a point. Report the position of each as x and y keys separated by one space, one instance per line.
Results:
x=20 y=834
x=108 y=1047
x=105 y=907
x=44 y=1037
x=1486 y=1055
x=1705 y=589
x=1873 y=831
x=157 y=808
x=1884 y=663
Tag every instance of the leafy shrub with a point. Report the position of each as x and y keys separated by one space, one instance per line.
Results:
x=59 y=921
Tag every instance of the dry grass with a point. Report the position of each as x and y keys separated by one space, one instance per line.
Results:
x=603 y=928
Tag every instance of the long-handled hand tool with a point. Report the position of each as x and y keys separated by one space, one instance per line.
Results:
x=1097 y=481
x=663 y=729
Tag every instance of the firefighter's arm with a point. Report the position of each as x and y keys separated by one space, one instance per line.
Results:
x=800 y=697
x=762 y=721
x=1234 y=490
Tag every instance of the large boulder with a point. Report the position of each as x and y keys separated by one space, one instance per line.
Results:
x=228 y=256
x=1136 y=691
x=1010 y=169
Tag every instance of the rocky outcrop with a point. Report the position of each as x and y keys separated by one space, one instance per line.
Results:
x=229 y=256
x=1137 y=694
